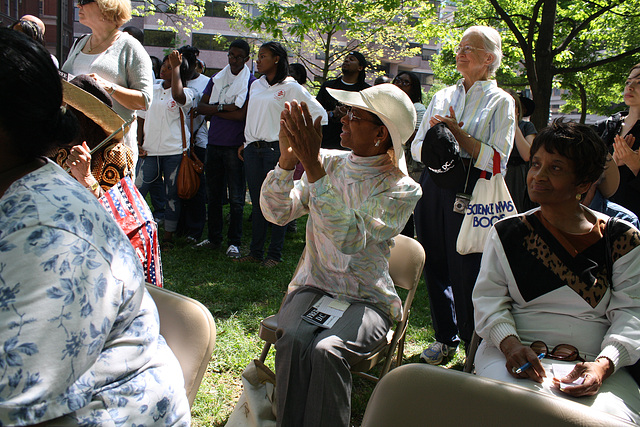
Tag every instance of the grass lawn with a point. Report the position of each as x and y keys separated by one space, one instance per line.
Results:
x=239 y=296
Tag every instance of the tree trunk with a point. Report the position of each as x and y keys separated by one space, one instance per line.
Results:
x=542 y=82
x=327 y=55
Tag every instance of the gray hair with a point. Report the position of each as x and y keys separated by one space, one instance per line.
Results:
x=492 y=44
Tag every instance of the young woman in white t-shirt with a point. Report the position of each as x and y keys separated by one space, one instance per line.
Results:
x=261 y=149
x=162 y=145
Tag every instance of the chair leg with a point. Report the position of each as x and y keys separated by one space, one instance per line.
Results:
x=265 y=351
x=400 y=352
x=471 y=353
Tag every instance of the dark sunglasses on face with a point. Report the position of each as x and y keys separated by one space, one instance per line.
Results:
x=84 y=2
x=565 y=352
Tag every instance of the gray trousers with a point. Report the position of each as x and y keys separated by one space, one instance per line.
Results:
x=313 y=378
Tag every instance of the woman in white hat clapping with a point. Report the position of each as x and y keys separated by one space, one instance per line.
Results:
x=357 y=202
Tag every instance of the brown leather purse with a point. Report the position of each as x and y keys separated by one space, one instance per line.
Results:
x=189 y=179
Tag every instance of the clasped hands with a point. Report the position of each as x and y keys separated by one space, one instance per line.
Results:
x=594 y=373
x=300 y=140
x=624 y=155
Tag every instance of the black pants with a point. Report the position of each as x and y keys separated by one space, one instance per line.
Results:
x=450 y=277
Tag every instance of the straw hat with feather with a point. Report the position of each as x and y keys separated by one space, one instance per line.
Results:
x=76 y=94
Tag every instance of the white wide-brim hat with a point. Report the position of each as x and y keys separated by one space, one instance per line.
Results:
x=392 y=106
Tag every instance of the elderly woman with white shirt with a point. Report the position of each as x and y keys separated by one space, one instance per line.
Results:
x=481 y=117
x=562 y=280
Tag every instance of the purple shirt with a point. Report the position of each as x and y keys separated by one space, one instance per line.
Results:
x=224 y=132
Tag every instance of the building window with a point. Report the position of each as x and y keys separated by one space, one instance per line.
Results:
x=216 y=9
x=211 y=42
x=425 y=79
x=428 y=53
x=159 y=38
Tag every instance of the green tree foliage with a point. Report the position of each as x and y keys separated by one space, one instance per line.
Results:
x=577 y=45
x=177 y=16
x=330 y=29
x=598 y=90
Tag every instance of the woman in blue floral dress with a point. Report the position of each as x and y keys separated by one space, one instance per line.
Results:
x=79 y=334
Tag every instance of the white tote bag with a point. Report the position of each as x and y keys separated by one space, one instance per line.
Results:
x=257 y=405
x=490 y=202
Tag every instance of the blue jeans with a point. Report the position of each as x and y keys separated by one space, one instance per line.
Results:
x=194 y=210
x=155 y=167
x=258 y=162
x=156 y=191
x=225 y=169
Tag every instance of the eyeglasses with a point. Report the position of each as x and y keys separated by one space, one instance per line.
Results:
x=231 y=56
x=467 y=49
x=401 y=82
x=85 y=2
x=352 y=117
x=565 y=352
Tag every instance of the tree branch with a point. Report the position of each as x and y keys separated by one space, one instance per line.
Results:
x=597 y=63
x=507 y=20
x=583 y=25
x=531 y=31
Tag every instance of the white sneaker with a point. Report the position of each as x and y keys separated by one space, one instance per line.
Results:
x=233 y=251
x=206 y=243
x=436 y=353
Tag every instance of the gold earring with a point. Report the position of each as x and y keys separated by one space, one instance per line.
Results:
x=578 y=196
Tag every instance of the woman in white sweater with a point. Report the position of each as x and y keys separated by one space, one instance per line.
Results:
x=116 y=60
x=565 y=281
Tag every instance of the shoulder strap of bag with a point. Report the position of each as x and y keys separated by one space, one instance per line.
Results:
x=496 y=162
x=76 y=41
x=496 y=165
x=184 y=136
x=193 y=134
x=607 y=242
x=72 y=50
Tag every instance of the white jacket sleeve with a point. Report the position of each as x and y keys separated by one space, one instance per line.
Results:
x=491 y=299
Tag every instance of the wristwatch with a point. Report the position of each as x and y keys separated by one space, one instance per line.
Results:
x=110 y=88
x=220 y=107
